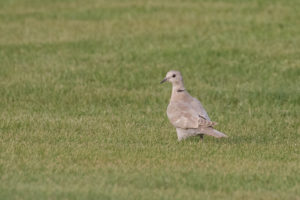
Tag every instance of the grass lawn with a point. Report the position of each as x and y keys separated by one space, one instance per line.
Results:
x=83 y=116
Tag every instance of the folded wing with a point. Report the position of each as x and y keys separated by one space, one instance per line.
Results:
x=183 y=115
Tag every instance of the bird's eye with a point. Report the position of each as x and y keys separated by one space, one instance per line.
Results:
x=174 y=75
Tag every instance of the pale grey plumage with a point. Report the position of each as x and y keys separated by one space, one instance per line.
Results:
x=186 y=113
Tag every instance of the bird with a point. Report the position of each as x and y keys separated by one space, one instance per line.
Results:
x=186 y=113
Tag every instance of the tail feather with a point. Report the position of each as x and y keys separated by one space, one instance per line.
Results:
x=212 y=132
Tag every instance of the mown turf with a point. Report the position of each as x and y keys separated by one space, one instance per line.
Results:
x=82 y=113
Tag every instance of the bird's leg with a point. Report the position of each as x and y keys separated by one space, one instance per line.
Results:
x=201 y=137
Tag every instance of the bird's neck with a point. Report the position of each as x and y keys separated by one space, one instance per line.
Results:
x=178 y=91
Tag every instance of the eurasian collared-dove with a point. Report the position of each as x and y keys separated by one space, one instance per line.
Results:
x=186 y=113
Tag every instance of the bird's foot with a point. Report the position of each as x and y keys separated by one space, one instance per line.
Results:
x=201 y=137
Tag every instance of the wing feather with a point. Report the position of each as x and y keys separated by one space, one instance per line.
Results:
x=182 y=115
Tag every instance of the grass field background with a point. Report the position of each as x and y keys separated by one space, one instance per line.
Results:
x=82 y=113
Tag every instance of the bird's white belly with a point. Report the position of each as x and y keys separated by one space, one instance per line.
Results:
x=185 y=133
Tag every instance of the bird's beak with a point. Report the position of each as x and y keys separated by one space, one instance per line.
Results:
x=165 y=79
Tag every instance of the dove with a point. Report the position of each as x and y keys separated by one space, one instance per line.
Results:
x=186 y=113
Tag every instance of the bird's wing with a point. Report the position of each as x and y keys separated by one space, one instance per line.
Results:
x=182 y=115
x=197 y=106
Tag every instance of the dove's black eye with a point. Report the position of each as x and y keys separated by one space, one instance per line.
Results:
x=174 y=75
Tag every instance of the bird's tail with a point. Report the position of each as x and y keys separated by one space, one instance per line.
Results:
x=212 y=132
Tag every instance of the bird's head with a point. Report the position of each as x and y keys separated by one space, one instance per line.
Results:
x=174 y=77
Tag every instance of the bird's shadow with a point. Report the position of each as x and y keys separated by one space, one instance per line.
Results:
x=230 y=140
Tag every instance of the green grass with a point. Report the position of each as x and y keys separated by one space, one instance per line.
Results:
x=82 y=113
